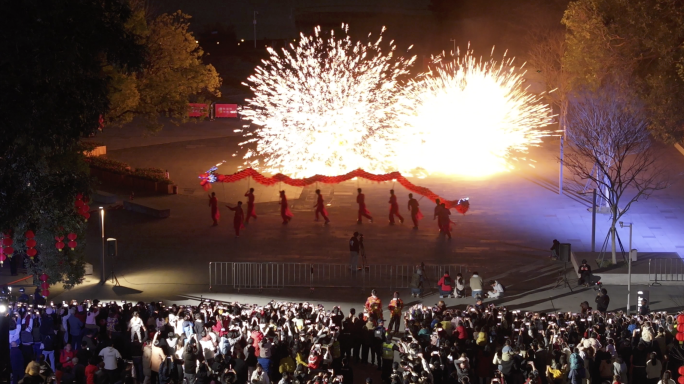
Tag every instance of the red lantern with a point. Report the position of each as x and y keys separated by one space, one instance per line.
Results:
x=43 y=277
x=31 y=252
x=2 y=258
x=72 y=244
x=59 y=246
x=681 y=371
x=71 y=236
x=680 y=380
x=45 y=293
x=30 y=243
x=79 y=203
x=680 y=319
x=44 y=286
x=29 y=234
x=8 y=251
x=680 y=337
x=86 y=216
x=59 y=238
x=7 y=241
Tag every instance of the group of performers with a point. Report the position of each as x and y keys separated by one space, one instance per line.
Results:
x=441 y=213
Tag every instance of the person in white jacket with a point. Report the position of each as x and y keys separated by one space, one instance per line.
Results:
x=135 y=325
x=497 y=291
x=259 y=376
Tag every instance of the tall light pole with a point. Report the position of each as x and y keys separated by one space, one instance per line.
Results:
x=454 y=41
x=629 y=265
x=102 y=274
x=254 y=22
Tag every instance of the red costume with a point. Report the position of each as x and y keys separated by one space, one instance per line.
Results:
x=320 y=208
x=238 y=219
x=215 y=215
x=415 y=211
x=363 y=211
x=444 y=221
x=394 y=209
x=438 y=208
x=251 y=212
x=285 y=209
x=374 y=305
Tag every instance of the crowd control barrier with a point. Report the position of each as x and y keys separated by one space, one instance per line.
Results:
x=248 y=275
x=665 y=270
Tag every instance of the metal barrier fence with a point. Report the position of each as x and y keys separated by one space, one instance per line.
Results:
x=246 y=275
x=665 y=270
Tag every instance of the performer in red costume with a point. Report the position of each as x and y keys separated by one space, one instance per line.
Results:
x=320 y=207
x=363 y=211
x=285 y=209
x=437 y=209
x=394 y=208
x=444 y=220
x=251 y=212
x=213 y=203
x=238 y=219
x=415 y=211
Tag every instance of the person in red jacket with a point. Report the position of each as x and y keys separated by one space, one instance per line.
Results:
x=363 y=211
x=446 y=286
x=320 y=207
x=90 y=371
x=394 y=208
x=413 y=207
x=251 y=211
x=238 y=218
x=213 y=203
x=285 y=209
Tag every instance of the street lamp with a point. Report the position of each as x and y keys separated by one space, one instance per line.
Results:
x=102 y=232
x=629 y=265
x=254 y=21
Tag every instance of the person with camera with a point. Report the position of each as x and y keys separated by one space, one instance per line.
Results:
x=445 y=285
x=602 y=300
x=584 y=271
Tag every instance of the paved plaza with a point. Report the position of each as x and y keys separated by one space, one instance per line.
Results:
x=506 y=234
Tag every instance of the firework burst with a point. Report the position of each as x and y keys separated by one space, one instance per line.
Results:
x=470 y=117
x=327 y=105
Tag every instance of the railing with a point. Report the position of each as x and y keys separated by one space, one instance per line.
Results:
x=246 y=275
x=665 y=270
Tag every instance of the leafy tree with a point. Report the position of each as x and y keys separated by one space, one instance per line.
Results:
x=173 y=75
x=634 y=43
x=54 y=90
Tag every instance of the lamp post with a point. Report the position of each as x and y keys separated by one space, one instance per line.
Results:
x=629 y=265
x=254 y=22
x=102 y=233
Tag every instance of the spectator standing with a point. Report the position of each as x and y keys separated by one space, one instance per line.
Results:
x=354 y=252
x=110 y=356
x=135 y=325
x=653 y=369
x=259 y=376
x=90 y=371
x=602 y=300
x=476 y=285
x=190 y=362
x=395 y=306
x=17 y=362
x=417 y=282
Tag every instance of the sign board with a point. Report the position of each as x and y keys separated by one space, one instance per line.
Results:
x=197 y=109
x=225 y=110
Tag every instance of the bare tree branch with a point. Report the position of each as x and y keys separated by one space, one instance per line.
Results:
x=611 y=148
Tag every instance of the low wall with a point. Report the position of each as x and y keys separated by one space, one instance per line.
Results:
x=136 y=184
x=97 y=151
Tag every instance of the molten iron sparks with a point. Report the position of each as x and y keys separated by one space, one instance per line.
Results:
x=326 y=106
x=470 y=117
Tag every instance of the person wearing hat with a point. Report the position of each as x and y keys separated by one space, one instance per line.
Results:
x=388 y=349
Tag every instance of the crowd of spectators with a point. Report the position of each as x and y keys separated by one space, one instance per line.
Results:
x=300 y=343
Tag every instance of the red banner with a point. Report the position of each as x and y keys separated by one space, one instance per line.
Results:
x=197 y=109
x=461 y=205
x=225 y=110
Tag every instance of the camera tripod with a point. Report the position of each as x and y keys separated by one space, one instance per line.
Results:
x=563 y=277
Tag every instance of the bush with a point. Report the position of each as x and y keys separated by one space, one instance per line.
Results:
x=90 y=145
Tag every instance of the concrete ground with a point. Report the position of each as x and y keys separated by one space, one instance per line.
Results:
x=506 y=235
